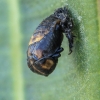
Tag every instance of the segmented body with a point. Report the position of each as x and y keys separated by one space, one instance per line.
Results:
x=45 y=41
x=45 y=44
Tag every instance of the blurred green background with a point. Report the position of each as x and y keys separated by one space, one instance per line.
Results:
x=76 y=77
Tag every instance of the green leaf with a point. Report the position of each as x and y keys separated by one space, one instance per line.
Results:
x=76 y=77
x=16 y=49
